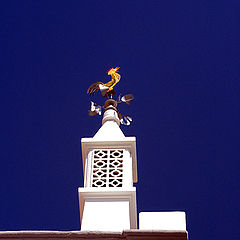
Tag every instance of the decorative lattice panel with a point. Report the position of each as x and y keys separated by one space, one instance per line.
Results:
x=107 y=168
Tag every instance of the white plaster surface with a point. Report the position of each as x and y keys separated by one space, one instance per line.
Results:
x=107 y=215
x=128 y=143
x=100 y=206
x=162 y=221
x=109 y=208
x=109 y=115
x=109 y=131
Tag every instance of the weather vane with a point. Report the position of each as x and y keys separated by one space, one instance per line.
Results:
x=107 y=91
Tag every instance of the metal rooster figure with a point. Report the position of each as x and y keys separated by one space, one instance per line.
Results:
x=106 y=90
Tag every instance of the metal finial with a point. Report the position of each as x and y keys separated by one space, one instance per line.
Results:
x=107 y=91
x=105 y=88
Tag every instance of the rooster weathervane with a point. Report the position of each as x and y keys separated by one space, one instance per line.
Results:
x=107 y=91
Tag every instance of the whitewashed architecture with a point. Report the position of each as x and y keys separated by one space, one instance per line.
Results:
x=108 y=198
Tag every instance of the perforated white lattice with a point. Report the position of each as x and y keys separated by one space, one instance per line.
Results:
x=107 y=168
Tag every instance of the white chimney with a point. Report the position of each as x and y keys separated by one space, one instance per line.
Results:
x=108 y=198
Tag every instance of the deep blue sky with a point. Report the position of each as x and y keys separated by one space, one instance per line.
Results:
x=180 y=59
